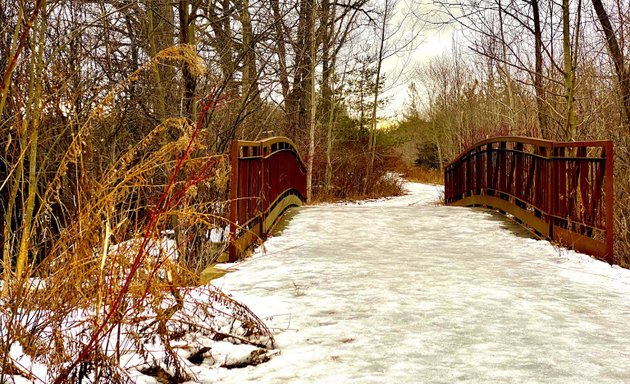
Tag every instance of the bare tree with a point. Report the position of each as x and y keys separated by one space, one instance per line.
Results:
x=616 y=54
x=391 y=41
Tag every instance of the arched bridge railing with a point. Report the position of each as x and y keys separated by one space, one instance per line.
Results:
x=564 y=191
x=267 y=177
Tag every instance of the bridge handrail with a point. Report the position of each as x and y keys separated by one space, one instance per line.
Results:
x=563 y=190
x=267 y=177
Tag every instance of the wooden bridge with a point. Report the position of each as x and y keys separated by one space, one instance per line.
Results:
x=405 y=290
x=267 y=177
x=562 y=191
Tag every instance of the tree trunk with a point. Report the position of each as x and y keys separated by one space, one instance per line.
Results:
x=17 y=45
x=506 y=72
x=37 y=63
x=327 y=25
x=160 y=102
x=312 y=103
x=187 y=36
x=281 y=52
x=539 y=88
x=379 y=64
x=623 y=72
x=250 y=78
x=160 y=34
x=569 y=73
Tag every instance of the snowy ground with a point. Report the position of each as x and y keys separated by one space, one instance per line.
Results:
x=404 y=291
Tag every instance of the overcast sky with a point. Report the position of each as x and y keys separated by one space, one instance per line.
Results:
x=430 y=41
x=434 y=43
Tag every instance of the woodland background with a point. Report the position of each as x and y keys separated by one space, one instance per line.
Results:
x=117 y=116
x=100 y=99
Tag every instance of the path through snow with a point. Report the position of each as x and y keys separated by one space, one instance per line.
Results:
x=405 y=291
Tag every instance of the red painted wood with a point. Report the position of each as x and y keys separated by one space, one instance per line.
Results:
x=262 y=172
x=568 y=185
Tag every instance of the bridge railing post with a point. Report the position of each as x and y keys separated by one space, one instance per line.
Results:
x=234 y=177
x=552 y=180
x=609 y=199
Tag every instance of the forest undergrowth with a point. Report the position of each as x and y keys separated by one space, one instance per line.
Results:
x=115 y=249
x=121 y=271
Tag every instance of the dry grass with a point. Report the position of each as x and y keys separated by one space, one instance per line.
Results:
x=423 y=174
x=107 y=271
x=349 y=177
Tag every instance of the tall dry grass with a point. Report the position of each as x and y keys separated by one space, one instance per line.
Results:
x=111 y=275
x=422 y=174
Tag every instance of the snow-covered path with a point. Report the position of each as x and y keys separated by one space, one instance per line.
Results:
x=404 y=291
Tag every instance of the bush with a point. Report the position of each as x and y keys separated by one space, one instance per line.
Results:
x=349 y=178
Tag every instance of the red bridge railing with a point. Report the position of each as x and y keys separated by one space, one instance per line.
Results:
x=564 y=191
x=267 y=177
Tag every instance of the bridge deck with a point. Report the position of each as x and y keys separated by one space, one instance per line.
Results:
x=406 y=291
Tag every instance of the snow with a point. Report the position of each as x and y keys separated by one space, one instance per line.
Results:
x=207 y=320
x=404 y=290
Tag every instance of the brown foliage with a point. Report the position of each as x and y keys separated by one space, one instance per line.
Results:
x=350 y=172
x=422 y=174
x=108 y=264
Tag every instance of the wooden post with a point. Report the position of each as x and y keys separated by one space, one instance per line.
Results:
x=609 y=201
x=552 y=191
x=233 y=254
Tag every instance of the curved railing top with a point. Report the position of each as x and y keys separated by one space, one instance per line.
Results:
x=272 y=145
x=563 y=190
x=532 y=141
x=278 y=143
